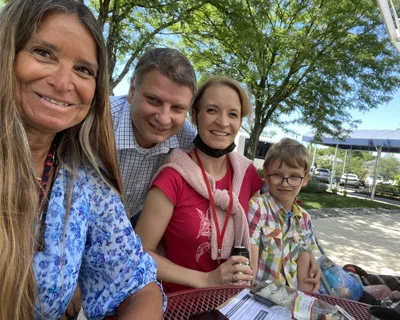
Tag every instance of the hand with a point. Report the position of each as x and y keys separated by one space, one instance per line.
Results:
x=379 y=291
x=395 y=295
x=228 y=273
x=315 y=274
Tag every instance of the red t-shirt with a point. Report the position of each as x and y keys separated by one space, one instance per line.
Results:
x=187 y=237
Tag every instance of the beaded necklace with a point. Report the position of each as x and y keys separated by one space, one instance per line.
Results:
x=44 y=197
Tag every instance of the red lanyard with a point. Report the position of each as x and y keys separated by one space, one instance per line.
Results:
x=220 y=235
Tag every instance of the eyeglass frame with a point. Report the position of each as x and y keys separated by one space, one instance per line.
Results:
x=287 y=179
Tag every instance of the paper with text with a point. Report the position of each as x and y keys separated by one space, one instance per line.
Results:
x=244 y=307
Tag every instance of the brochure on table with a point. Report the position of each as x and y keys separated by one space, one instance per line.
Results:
x=244 y=306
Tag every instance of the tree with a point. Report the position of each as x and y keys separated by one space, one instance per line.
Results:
x=313 y=59
x=389 y=167
x=131 y=26
x=353 y=161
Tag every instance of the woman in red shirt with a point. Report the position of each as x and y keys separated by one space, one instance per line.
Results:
x=197 y=206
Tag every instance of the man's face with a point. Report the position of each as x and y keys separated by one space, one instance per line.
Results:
x=158 y=108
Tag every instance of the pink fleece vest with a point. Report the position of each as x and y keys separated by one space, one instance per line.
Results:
x=237 y=230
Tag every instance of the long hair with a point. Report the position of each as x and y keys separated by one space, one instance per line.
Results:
x=89 y=143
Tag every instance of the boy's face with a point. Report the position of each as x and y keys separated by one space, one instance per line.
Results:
x=284 y=192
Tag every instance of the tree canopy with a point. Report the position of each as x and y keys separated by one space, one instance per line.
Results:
x=314 y=59
x=353 y=161
x=131 y=26
x=360 y=163
x=389 y=167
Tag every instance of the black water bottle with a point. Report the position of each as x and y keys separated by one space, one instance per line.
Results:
x=240 y=251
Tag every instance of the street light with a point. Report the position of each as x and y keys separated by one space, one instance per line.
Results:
x=391 y=20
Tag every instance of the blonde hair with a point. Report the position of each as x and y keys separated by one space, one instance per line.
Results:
x=233 y=84
x=290 y=152
x=90 y=143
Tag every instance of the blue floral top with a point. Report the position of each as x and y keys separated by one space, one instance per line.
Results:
x=96 y=246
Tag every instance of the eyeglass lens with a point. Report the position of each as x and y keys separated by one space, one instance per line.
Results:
x=291 y=181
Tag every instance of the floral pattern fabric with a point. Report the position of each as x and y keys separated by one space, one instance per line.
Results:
x=94 y=245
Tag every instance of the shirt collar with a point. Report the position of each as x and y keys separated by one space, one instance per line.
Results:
x=277 y=208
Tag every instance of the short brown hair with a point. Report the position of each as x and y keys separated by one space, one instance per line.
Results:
x=245 y=107
x=288 y=151
x=171 y=63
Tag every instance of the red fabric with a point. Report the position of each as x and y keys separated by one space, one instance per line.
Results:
x=187 y=237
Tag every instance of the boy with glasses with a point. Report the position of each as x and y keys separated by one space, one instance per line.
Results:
x=282 y=237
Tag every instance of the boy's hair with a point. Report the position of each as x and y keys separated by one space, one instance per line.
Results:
x=290 y=152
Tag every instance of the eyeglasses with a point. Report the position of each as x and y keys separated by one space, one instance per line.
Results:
x=276 y=180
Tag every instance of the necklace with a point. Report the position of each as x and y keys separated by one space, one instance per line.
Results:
x=220 y=233
x=44 y=197
x=42 y=162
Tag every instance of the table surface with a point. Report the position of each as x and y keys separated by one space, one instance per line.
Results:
x=185 y=303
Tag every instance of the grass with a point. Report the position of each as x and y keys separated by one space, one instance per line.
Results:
x=330 y=200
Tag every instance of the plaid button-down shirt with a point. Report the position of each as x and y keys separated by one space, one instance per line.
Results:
x=138 y=165
x=280 y=237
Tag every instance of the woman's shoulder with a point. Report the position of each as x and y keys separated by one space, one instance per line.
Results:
x=252 y=179
x=180 y=161
x=178 y=154
x=92 y=179
x=88 y=186
x=234 y=156
x=169 y=179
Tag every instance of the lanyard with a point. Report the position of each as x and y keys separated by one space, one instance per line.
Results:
x=220 y=234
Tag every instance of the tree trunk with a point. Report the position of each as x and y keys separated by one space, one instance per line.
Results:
x=251 y=149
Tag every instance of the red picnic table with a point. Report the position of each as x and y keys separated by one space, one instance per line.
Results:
x=185 y=303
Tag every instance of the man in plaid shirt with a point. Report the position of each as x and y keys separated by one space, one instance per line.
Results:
x=151 y=120
x=282 y=237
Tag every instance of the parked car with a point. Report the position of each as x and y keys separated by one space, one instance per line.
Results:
x=369 y=181
x=350 y=179
x=323 y=175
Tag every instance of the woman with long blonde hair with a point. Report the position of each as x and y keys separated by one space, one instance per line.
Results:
x=61 y=216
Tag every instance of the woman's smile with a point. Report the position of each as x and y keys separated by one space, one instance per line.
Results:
x=56 y=75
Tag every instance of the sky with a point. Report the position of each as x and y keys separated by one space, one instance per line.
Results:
x=384 y=117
